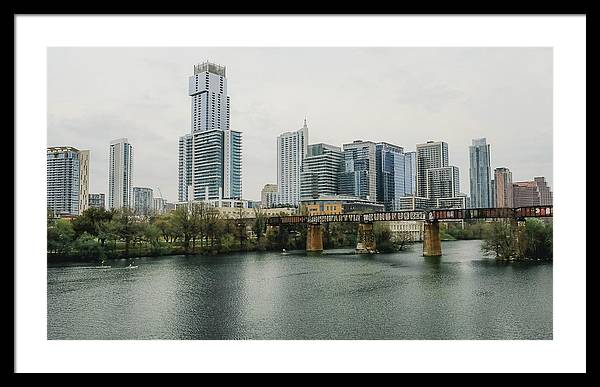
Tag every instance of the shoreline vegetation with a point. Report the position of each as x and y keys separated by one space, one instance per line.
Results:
x=100 y=235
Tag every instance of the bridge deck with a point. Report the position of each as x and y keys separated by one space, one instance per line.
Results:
x=430 y=215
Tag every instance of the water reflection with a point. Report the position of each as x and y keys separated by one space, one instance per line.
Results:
x=335 y=295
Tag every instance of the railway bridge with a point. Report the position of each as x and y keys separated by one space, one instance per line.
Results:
x=431 y=234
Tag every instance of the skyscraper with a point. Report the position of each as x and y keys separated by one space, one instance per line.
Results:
x=429 y=155
x=291 y=150
x=321 y=171
x=442 y=182
x=391 y=182
x=67 y=180
x=359 y=177
x=479 y=173
x=410 y=173
x=503 y=188
x=120 y=174
x=142 y=201
x=210 y=157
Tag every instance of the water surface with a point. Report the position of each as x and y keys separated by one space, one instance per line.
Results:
x=337 y=295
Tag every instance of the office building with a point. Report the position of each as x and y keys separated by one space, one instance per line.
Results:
x=410 y=173
x=268 y=196
x=442 y=182
x=120 y=174
x=321 y=170
x=291 y=150
x=67 y=180
x=158 y=206
x=532 y=193
x=210 y=157
x=429 y=155
x=503 y=188
x=359 y=178
x=143 y=203
x=390 y=165
x=479 y=173
x=96 y=200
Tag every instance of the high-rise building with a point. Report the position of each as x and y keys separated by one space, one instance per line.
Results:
x=479 y=173
x=84 y=180
x=410 y=173
x=268 y=196
x=359 y=178
x=185 y=167
x=429 y=155
x=390 y=165
x=96 y=200
x=532 y=193
x=210 y=157
x=120 y=174
x=321 y=170
x=142 y=201
x=158 y=206
x=503 y=188
x=442 y=182
x=67 y=180
x=291 y=150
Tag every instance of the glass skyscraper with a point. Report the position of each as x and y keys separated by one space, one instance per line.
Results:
x=210 y=157
x=359 y=178
x=390 y=164
x=479 y=174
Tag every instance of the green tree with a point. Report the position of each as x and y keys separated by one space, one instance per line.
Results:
x=500 y=240
x=60 y=237
x=86 y=245
x=127 y=227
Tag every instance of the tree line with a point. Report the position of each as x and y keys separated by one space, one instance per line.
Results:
x=194 y=229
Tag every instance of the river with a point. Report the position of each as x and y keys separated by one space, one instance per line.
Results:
x=337 y=295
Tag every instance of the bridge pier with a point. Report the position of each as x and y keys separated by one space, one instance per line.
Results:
x=432 y=245
x=365 y=241
x=314 y=238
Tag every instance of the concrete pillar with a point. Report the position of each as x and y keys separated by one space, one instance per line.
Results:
x=365 y=241
x=432 y=246
x=314 y=237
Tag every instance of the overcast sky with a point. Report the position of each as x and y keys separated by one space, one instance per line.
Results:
x=402 y=96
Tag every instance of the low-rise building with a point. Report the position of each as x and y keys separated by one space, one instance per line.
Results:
x=409 y=230
x=339 y=204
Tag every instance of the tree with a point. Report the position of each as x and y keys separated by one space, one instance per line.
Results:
x=126 y=227
x=500 y=240
x=260 y=222
x=60 y=237
x=86 y=245
x=152 y=236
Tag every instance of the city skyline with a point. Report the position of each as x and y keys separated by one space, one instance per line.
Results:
x=438 y=97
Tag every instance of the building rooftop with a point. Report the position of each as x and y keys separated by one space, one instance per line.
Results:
x=210 y=67
x=58 y=149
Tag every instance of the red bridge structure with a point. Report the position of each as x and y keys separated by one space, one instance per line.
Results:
x=431 y=237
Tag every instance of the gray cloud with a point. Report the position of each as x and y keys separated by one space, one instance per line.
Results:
x=400 y=95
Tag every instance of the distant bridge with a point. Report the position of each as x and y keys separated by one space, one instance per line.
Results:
x=431 y=238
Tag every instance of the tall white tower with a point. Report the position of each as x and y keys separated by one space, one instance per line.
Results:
x=291 y=150
x=120 y=173
x=210 y=156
